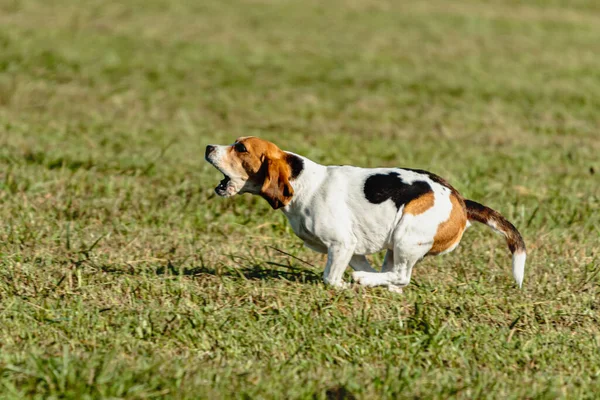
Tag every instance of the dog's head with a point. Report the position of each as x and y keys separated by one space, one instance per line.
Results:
x=253 y=165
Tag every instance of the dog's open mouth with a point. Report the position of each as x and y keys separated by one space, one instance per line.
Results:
x=224 y=188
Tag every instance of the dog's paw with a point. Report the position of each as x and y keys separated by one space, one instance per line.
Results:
x=395 y=289
x=338 y=285
x=363 y=278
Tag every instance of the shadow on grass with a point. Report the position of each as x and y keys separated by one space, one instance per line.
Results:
x=252 y=271
x=247 y=268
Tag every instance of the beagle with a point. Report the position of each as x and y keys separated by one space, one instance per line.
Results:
x=348 y=212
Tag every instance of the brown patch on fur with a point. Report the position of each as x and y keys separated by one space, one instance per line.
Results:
x=420 y=204
x=276 y=188
x=450 y=231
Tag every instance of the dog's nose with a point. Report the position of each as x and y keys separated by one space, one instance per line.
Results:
x=209 y=149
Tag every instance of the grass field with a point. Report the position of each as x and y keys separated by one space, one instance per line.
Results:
x=122 y=275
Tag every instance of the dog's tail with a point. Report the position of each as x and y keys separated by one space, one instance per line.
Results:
x=493 y=219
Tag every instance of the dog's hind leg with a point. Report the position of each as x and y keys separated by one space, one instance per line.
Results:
x=410 y=246
x=395 y=279
x=388 y=266
x=388 y=261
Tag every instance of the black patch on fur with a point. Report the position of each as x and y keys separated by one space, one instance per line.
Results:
x=381 y=187
x=296 y=164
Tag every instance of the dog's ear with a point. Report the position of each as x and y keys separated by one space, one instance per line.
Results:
x=276 y=188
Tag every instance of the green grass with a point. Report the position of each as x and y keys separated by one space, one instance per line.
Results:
x=122 y=275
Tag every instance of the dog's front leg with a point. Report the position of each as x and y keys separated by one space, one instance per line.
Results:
x=338 y=257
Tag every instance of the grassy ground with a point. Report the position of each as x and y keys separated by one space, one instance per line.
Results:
x=123 y=275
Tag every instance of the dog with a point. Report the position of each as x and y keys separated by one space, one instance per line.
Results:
x=349 y=212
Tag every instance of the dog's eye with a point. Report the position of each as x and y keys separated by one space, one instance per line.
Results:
x=240 y=148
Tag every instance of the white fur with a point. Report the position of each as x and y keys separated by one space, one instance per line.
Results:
x=518 y=266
